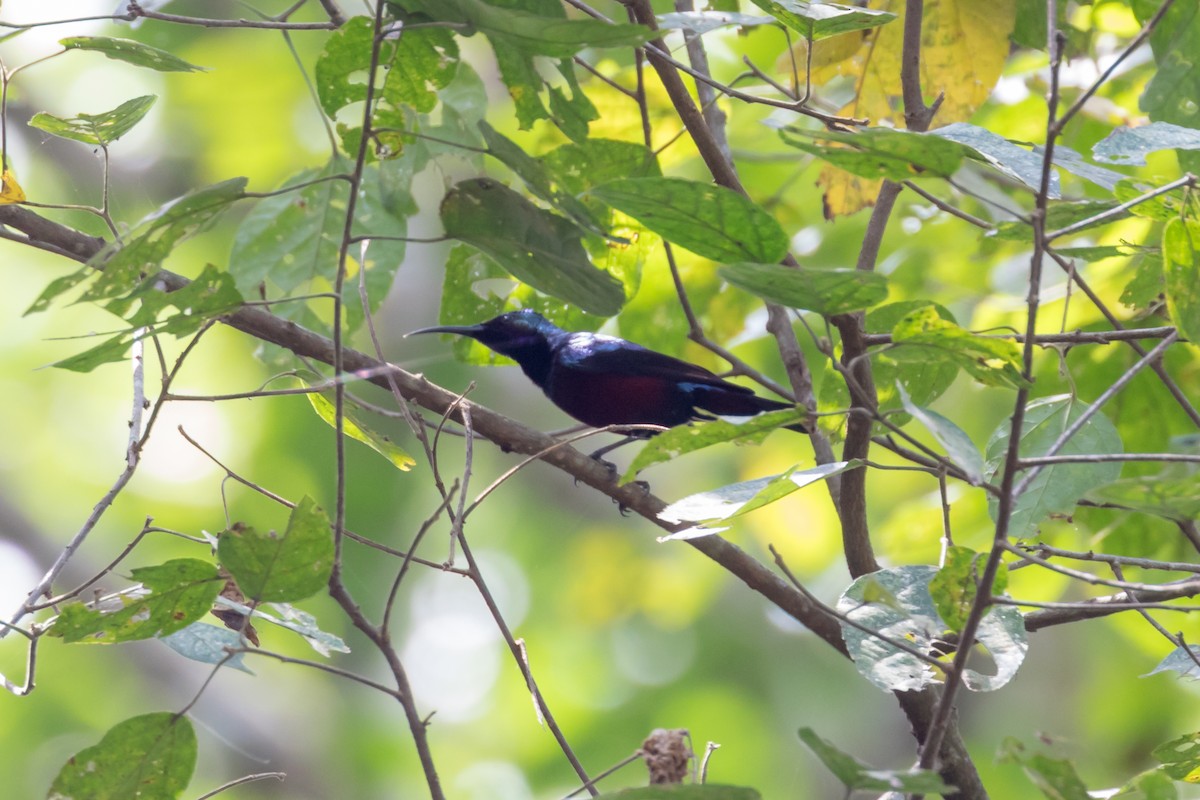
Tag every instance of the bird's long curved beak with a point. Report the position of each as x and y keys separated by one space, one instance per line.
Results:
x=461 y=330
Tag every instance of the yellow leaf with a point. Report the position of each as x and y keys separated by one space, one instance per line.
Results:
x=964 y=44
x=10 y=191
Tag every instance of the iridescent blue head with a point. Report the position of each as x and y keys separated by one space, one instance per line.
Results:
x=517 y=334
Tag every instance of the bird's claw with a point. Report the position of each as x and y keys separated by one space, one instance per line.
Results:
x=624 y=509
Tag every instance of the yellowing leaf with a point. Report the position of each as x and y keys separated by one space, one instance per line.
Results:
x=963 y=47
x=354 y=426
x=10 y=191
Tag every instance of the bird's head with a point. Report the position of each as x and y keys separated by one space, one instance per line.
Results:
x=508 y=334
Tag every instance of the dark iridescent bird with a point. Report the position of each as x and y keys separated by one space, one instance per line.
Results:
x=602 y=380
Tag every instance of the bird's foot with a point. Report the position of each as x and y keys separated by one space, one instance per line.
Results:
x=610 y=467
x=624 y=509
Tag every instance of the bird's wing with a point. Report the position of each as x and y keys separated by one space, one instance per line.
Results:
x=598 y=354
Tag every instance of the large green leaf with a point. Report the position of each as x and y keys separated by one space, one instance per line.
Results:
x=1008 y=158
x=291 y=240
x=1130 y=146
x=532 y=33
x=923 y=335
x=131 y=52
x=880 y=152
x=1056 y=488
x=537 y=247
x=1181 y=273
x=709 y=220
x=126 y=262
x=825 y=291
x=180 y=592
x=911 y=617
x=96 y=129
x=270 y=567
x=150 y=757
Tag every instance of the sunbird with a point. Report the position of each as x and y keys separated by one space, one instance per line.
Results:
x=604 y=380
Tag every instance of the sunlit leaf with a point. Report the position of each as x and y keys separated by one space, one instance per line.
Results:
x=923 y=335
x=354 y=425
x=825 y=291
x=702 y=22
x=709 y=220
x=1180 y=757
x=1057 y=487
x=956 y=586
x=1181 y=271
x=10 y=191
x=281 y=567
x=539 y=248
x=150 y=757
x=677 y=441
x=820 y=20
x=131 y=52
x=880 y=152
x=737 y=499
x=176 y=594
x=917 y=623
x=1130 y=146
x=98 y=129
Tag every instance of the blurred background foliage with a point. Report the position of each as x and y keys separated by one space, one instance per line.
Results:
x=624 y=634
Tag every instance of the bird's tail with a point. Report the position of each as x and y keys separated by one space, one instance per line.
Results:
x=737 y=401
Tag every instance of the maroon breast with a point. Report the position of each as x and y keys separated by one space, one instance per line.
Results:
x=606 y=399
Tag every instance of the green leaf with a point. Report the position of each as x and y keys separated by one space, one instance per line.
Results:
x=1057 y=487
x=150 y=757
x=711 y=221
x=1170 y=95
x=825 y=291
x=956 y=585
x=423 y=61
x=738 y=499
x=538 y=178
x=1059 y=215
x=580 y=166
x=702 y=22
x=355 y=426
x=916 y=622
x=880 y=152
x=684 y=791
x=1182 y=661
x=532 y=33
x=181 y=591
x=923 y=335
x=1130 y=146
x=128 y=261
x=1170 y=498
x=682 y=439
x=959 y=447
x=820 y=20
x=1008 y=158
x=131 y=52
x=1055 y=777
x=1180 y=757
x=107 y=352
x=292 y=240
x=269 y=567
x=1181 y=273
x=1153 y=784
x=208 y=644
x=857 y=776
x=96 y=129
x=539 y=248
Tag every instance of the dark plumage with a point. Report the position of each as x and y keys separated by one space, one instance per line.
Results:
x=602 y=380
